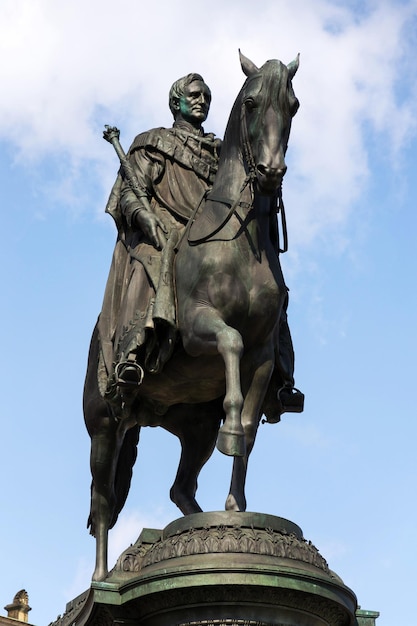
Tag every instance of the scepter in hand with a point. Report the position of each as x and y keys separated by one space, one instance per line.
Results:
x=112 y=134
x=149 y=222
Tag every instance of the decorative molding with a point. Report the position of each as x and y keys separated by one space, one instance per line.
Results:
x=221 y=539
x=73 y=609
x=270 y=600
x=21 y=598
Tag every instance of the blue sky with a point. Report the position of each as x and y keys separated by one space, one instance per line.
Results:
x=346 y=469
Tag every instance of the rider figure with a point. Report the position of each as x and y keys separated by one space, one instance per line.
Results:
x=174 y=169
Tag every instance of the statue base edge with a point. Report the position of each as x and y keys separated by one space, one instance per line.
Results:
x=220 y=569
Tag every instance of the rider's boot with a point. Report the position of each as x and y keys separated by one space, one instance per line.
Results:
x=290 y=399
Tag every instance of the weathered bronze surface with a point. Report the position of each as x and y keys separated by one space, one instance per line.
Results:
x=219 y=569
x=217 y=348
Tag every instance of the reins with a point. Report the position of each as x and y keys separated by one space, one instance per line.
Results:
x=208 y=196
x=250 y=177
x=281 y=211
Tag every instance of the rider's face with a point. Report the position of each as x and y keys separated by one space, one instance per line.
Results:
x=194 y=104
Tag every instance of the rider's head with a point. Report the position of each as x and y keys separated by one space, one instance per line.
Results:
x=189 y=99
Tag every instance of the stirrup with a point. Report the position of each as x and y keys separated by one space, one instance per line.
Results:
x=129 y=374
x=291 y=400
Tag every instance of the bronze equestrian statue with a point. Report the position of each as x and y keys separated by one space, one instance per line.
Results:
x=193 y=333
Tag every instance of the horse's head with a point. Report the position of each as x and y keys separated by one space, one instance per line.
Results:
x=268 y=104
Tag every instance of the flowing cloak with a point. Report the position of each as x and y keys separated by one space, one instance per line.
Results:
x=174 y=169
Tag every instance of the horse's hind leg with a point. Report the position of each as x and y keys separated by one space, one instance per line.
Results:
x=196 y=426
x=109 y=488
x=102 y=463
x=107 y=438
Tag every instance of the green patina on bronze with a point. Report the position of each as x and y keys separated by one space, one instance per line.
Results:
x=220 y=569
x=193 y=337
x=193 y=333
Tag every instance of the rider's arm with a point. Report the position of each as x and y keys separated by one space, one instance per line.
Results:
x=130 y=203
x=137 y=207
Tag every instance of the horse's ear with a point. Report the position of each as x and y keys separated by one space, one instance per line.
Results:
x=248 y=67
x=293 y=66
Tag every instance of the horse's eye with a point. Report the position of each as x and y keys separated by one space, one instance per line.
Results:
x=250 y=104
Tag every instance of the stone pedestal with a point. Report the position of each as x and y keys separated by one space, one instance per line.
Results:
x=219 y=569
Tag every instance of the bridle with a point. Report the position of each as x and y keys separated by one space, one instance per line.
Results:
x=249 y=160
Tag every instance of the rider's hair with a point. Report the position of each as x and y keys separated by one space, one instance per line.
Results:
x=177 y=90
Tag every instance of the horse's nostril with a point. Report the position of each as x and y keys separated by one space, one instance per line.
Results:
x=263 y=169
x=271 y=172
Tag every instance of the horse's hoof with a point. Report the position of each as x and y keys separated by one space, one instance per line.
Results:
x=233 y=505
x=186 y=504
x=232 y=444
x=99 y=575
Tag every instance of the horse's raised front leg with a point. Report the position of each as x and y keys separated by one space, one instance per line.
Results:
x=251 y=413
x=231 y=438
x=209 y=334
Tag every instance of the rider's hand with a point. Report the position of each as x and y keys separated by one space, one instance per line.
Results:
x=152 y=227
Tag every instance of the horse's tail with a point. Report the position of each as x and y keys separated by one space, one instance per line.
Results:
x=97 y=414
x=127 y=458
x=124 y=470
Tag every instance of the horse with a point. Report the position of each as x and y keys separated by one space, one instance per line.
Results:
x=230 y=294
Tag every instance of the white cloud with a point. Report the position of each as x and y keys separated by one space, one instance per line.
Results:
x=128 y=528
x=68 y=68
x=125 y=533
x=80 y=582
x=347 y=90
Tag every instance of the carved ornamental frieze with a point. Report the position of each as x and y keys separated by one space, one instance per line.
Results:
x=221 y=539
